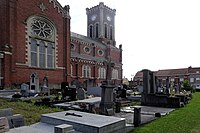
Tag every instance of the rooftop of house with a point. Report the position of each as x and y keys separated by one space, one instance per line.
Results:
x=172 y=72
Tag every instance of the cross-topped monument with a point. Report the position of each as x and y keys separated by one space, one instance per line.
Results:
x=107 y=105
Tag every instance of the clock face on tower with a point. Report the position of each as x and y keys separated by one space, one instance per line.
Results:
x=93 y=17
x=108 y=18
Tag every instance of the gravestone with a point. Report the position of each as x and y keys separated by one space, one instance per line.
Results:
x=81 y=94
x=167 y=91
x=64 y=88
x=149 y=85
x=45 y=89
x=121 y=92
x=34 y=83
x=137 y=116
x=68 y=91
x=25 y=90
x=107 y=104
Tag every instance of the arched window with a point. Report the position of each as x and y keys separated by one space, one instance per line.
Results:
x=41 y=33
x=91 y=31
x=42 y=53
x=111 y=32
x=102 y=73
x=106 y=30
x=33 y=52
x=114 y=74
x=86 y=71
x=50 y=55
x=97 y=30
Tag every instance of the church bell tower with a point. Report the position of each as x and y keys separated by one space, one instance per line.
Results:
x=101 y=23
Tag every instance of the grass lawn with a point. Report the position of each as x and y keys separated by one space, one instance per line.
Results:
x=30 y=112
x=183 y=120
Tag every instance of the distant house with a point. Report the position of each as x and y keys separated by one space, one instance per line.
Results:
x=174 y=75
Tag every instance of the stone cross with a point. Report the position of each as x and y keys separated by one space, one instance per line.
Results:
x=42 y=7
x=107 y=105
x=45 y=81
x=109 y=69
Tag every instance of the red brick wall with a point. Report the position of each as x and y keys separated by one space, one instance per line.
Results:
x=19 y=12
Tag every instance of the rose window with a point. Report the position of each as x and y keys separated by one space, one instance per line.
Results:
x=41 y=29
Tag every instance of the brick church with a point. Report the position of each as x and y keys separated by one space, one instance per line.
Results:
x=36 y=43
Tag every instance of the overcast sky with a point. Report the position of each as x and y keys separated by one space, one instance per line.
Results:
x=155 y=34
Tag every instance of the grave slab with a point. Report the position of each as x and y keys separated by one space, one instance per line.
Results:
x=86 y=122
x=149 y=110
x=94 y=100
x=6 y=112
x=15 y=121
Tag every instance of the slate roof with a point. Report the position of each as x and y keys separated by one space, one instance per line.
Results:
x=139 y=74
x=87 y=39
x=87 y=57
x=172 y=72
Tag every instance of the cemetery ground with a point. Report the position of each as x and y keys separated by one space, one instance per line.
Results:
x=31 y=112
x=185 y=119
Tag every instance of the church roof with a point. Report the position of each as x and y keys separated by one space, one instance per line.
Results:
x=87 y=40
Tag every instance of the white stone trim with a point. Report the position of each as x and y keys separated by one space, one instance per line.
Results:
x=8 y=53
x=57 y=5
x=60 y=68
x=21 y=64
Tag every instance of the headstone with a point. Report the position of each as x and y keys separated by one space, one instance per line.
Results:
x=137 y=116
x=149 y=85
x=4 y=126
x=107 y=104
x=34 y=83
x=167 y=86
x=45 y=89
x=68 y=91
x=117 y=107
x=25 y=90
x=64 y=88
x=71 y=92
x=81 y=94
x=121 y=92
x=64 y=128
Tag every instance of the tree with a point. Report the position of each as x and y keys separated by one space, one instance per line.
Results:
x=187 y=86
